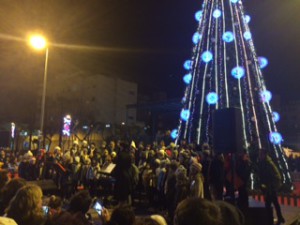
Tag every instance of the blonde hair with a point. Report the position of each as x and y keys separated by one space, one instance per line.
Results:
x=25 y=206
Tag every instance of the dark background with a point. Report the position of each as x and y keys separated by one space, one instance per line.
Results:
x=145 y=41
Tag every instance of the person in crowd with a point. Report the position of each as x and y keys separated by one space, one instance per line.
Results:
x=84 y=145
x=231 y=215
x=195 y=211
x=184 y=159
x=111 y=147
x=196 y=180
x=23 y=168
x=26 y=206
x=270 y=180
x=8 y=192
x=161 y=179
x=79 y=206
x=3 y=164
x=75 y=172
x=56 y=215
x=205 y=162
x=217 y=177
x=169 y=189
x=123 y=185
x=3 y=177
x=147 y=181
x=55 y=205
x=122 y=215
x=33 y=169
x=181 y=188
x=243 y=172
x=92 y=150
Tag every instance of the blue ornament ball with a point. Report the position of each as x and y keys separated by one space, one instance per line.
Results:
x=275 y=138
x=228 y=36
x=207 y=56
x=185 y=114
x=212 y=98
x=238 y=72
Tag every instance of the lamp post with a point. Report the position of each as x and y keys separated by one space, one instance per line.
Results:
x=38 y=42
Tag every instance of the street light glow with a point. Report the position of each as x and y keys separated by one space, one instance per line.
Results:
x=38 y=42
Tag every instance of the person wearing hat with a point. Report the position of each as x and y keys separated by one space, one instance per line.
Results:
x=181 y=188
x=196 y=180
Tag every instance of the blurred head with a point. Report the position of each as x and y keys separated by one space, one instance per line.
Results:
x=55 y=202
x=181 y=175
x=26 y=205
x=112 y=144
x=2 y=154
x=231 y=215
x=93 y=145
x=122 y=216
x=151 y=220
x=10 y=189
x=195 y=168
x=195 y=211
x=80 y=202
x=3 y=177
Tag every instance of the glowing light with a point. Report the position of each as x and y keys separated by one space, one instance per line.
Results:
x=38 y=42
x=206 y=56
x=196 y=38
x=67 y=125
x=217 y=13
x=275 y=116
x=212 y=98
x=263 y=62
x=265 y=96
x=13 y=128
x=188 y=64
x=275 y=138
x=238 y=72
x=228 y=36
x=247 y=35
x=234 y=1
x=174 y=134
x=185 y=114
x=187 y=78
x=247 y=18
x=198 y=15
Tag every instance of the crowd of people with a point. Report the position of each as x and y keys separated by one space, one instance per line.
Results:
x=175 y=180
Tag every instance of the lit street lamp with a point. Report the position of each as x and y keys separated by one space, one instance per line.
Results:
x=38 y=42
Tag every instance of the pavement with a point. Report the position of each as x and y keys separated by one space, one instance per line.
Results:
x=290 y=213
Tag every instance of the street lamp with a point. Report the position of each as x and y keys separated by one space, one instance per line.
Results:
x=38 y=42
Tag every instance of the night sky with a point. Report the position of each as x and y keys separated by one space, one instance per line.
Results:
x=145 y=41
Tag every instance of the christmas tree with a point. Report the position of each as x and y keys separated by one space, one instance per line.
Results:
x=223 y=72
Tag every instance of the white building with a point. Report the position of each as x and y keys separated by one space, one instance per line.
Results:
x=96 y=98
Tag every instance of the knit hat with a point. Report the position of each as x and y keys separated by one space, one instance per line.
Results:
x=161 y=153
x=113 y=154
x=193 y=160
x=77 y=159
x=196 y=167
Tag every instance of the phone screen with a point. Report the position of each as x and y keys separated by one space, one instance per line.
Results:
x=98 y=207
x=45 y=210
